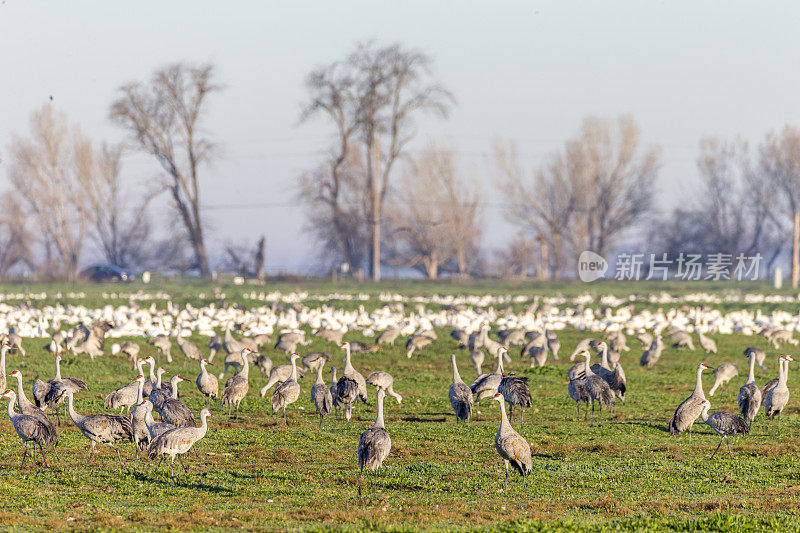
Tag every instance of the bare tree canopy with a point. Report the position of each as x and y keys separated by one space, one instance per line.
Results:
x=164 y=119
x=371 y=98
x=433 y=217
x=589 y=193
x=779 y=164
x=728 y=213
x=46 y=170
x=16 y=239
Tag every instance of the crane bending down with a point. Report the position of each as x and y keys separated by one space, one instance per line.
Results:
x=385 y=381
x=177 y=442
x=724 y=424
x=374 y=445
x=511 y=446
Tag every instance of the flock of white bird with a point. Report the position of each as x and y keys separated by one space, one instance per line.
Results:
x=529 y=323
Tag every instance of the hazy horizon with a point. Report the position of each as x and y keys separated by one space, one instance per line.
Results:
x=522 y=71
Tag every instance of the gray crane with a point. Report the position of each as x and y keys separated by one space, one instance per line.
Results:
x=723 y=424
x=417 y=342
x=615 y=378
x=141 y=433
x=346 y=395
x=26 y=407
x=749 y=394
x=583 y=344
x=758 y=353
x=175 y=412
x=511 y=336
x=651 y=356
x=15 y=341
x=264 y=363
x=598 y=388
x=190 y=350
x=722 y=375
x=485 y=386
x=93 y=343
x=681 y=339
x=287 y=392
x=388 y=336
x=30 y=428
x=102 y=428
x=334 y=393
x=207 y=383
x=353 y=374
x=49 y=394
x=131 y=349
x=385 y=381
x=153 y=381
x=578 y=392
x=645 y=338
x=689 y=409
x=214 y=345
x=477 y=357
x=516 y=392
x=511 y=446
x=159 y=395
x=4 y=347
x=177 y=442
x=553 y=344
x=330 y=335
x=769 y=385
x=707 y=344
x=460 y=395
x=278 y=375
x=236 y=387
x=312 y=360
x=126 y=396
x=777 y=397
x=163 y=344
x=460 y=336
x=374 y=445
x=321 y=396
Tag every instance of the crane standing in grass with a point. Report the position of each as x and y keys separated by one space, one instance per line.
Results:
x=287 y=392
x=724 y=424
x=177 y=442
x=321 y=396
x=237 y=386
x=30 y=429
x=749 y=394
x=460 y=395
x=374 y=445
x=512 y=448
x=689 y=410
x=102 y=428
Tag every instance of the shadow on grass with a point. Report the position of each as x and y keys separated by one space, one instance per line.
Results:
x=151 y=477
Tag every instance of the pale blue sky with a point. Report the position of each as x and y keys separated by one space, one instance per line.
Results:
x=526 y=71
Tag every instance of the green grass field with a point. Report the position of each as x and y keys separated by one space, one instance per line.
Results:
x=625 y=473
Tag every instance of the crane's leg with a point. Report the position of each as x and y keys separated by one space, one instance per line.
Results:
x=92 y=454
x=172 y=470
x=320 y=421
x=522 y=417
x=690 y=433
x=43 y=457
x=25 y=455
x=230 y=410
x=180 y=458
x=718 y=445
x=505 y=486
x=728 y=444
x=118 y=454
x=285 y=420
x=524 y=481
x=360 y=479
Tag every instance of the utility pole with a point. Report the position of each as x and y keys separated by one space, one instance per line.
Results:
x=796 y=251
x=376 y=212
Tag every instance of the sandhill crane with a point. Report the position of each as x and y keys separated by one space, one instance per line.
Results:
x=492 y=346
x=264 y=363
x=330 y=335
x=777 y=397
x=707 y=344
x=578 y=392
x=285 y=345
x=553 y=344
x=782 y=335
x=769 y=385
x=681 y=339
x=313 y=360
x=598 y=388
x=15 y=341
x=749 y=394
x=361 y=347
x=214 y=345
x=618 y=342
x=125 y=396
x=516 y=392
x=321 y=396
x=385 y=381
x=583 y=344
x=287 y=392
x=477 y=358
x=758 y=353
x=236 y=387
x=159 y=394
x=374 y=445
x=615 y=378
x=511 y=447
x=153 y=381
x=388 y=336
x=190 y=350
x=178 y=441
x=460 y=336
x=334 y=393
x=651 y=356
x=30 y=428
x=175 y=412
x=485 y=386
x=4 y=347
x=26 y=407
x=207 y=382
x=102 y=428
x=416 y=342
x=689 y=409
x=353 y=374
x=278 y=375
x=460 y=395
x=346 y=395
x=131 y=349
x=163 y=344
x=511 y=336
x=49 y=394
x=722 y=375
x=93 y=342
x=645 y=338
x=537 y=350
x=724 y=424
x=234 y=359
x=141 y=433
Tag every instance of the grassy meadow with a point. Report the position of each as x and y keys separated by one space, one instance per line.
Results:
x=622 y=473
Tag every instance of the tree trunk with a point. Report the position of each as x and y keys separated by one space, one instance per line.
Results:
x=376 y=213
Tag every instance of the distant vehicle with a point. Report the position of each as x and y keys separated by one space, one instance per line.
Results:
x=107 y=272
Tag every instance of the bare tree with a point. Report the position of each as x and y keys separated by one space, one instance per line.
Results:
x=45 y=170
x=588 y=194
x=517 y=260
x=164 y=120
x=779 y=164
x=16 y=239
x=433 y=218
x=372 y=97
x=119 y=228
